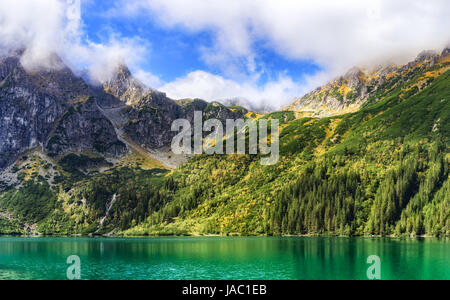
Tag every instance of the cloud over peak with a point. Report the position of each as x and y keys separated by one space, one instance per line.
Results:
x=334 y=35
x=48 y=27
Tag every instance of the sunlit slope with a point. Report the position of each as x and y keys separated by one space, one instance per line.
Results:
x=380 y=171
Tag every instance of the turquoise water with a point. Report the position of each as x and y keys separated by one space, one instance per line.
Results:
x=224 y=258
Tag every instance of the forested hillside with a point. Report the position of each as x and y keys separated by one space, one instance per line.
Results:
x=380 y=171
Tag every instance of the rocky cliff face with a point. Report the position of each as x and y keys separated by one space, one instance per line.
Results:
x=150 y=121
x=146 y=115
x=60 y=113
x=84 y=128
x=43 y=109
x=349 y=92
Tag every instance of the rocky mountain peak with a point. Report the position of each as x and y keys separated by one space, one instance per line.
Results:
x=347 y=93
x=17 y=53
x=51 y=109
x=125 y=86
x=7 y=64
x=54 y=77
x=122 y=72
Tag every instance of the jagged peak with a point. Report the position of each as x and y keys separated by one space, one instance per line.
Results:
x=122 y=74
x=52 y=75
x=386 y=68
x=122 y=71
x=446 y=51
x=35 y=62
x=123 y=85
x=354 y=76
x=49 y=65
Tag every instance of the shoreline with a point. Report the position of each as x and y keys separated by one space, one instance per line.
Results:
x=221 y=236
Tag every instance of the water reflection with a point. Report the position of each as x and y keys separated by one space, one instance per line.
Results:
x=224 y=258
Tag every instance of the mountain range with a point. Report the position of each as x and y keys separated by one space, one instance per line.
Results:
x=366 y=154
x=358 y=86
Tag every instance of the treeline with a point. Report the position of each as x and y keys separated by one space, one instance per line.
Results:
x=411 y=199
x=336 y=195
x=321 y=200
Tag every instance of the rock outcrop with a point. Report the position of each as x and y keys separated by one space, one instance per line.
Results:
x=349 y=92
x=34 y=109
x=124 y=86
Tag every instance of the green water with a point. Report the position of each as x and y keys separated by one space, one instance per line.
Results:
x=224 y=258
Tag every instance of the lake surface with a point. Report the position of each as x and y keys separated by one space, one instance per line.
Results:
x=262 y=258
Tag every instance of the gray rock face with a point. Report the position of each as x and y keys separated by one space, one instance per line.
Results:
x=60 y=113
x=32 y=105
x=150 y=121
x=83 y=128
x=428 y=55
x=354 y=77
x=27 y=112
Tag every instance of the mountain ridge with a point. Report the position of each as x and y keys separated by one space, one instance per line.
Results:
x=349 y=92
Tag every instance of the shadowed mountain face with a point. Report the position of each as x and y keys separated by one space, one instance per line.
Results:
x=358 y=86
x=60 y=113
x=36 y=107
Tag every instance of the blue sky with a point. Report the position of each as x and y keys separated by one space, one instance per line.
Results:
x=174 y=52
x=266 y=51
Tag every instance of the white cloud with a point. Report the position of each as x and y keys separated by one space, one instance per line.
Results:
x=335 y=34
x=204 y=85
x=103 y=59
x=46 y=27
x=22 y=23
x=148 y=79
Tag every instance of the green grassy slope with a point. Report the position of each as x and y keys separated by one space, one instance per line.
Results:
x=380 y=171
